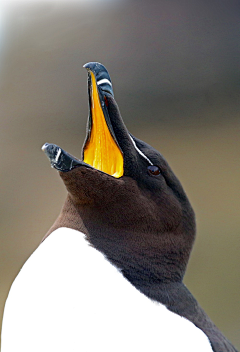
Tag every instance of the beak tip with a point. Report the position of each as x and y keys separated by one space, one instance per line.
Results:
x=102 y=76
x=44 y=147
x=91 y=66
x=86 y=66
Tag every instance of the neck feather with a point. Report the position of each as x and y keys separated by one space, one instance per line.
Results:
x=174 y=295
x=178 y=299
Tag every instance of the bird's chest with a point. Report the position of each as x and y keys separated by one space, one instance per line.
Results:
x=68 y=297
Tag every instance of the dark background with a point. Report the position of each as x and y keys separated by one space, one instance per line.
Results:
x=175 y=70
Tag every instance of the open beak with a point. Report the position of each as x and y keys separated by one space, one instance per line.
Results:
x=101 y=150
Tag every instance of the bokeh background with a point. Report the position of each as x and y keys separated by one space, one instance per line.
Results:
x=176 y=74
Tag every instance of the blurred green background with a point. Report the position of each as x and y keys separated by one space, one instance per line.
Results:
x=176 y=73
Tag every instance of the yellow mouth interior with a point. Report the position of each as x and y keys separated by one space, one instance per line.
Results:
x=101 y=150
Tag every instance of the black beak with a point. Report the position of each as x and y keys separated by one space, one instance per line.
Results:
x=61 y=160
x=108 y=146
x=101 y=150
x=102 y=76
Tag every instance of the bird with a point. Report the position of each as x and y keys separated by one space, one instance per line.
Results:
x=108 y=275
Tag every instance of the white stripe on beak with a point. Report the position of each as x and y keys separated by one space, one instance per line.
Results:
x=104 y=80
x=58 y=155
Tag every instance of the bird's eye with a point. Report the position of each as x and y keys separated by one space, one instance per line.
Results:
x=153 y=170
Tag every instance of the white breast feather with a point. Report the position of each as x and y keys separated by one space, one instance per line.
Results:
x=69 y=298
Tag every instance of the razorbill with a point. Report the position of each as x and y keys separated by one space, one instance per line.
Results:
x=108 y=274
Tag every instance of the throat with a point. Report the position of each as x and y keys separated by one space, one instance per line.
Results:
x=68 y=217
